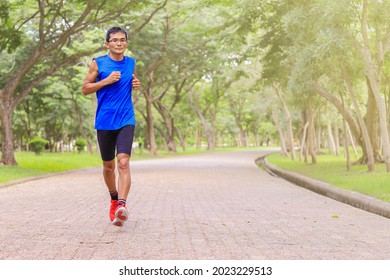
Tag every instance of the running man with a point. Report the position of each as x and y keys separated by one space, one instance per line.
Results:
x=112 y=77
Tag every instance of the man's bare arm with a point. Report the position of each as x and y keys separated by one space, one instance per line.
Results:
x=90 y=86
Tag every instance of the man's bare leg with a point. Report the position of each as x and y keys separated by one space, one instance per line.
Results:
x=109 y=174
x=124 y=182
x=109 y=179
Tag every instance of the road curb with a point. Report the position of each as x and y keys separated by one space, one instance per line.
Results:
x=352 y=198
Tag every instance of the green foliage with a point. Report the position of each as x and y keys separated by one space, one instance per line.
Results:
x=10 y=38
x=179 y=43
x=38 y=144
x=81 y=143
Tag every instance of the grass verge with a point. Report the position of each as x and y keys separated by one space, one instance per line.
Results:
x=30 y=164
x=333 y=170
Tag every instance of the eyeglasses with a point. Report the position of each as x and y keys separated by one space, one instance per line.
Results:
x=115 y=40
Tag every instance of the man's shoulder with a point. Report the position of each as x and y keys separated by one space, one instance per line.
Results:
x=130 y=58
x=100 y=57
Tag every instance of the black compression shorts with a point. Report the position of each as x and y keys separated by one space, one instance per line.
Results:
x=120 y=140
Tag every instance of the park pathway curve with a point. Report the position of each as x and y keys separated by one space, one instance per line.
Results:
x=212 y=206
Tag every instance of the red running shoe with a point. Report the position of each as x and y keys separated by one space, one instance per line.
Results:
x=114 y=205
x=121 y=215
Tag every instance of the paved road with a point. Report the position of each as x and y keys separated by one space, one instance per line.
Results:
x=210 y=206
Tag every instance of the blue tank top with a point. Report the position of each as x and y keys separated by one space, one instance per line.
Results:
x=115 y=105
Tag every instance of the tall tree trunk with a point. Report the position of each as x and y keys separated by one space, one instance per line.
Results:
x=311 y=133
x=243 y=136
x=303 y=141
x=149 y=99
x=208 y=127
x=7 y=148
x=363 y=127
x=198 y=138
x=150 y=125
x=281 y=134
x=346 y=146
x=373 y=71
x=288 y=119
x=320 y=143
x=255 y=130
x=331 y=141
x=170 y=140
x=382 y=120
x=336 y=138
x=352 y=141
x=182 y=139
x=371 y=119
x=169 y=125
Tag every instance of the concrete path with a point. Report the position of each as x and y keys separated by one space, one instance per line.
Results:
x=211 y=206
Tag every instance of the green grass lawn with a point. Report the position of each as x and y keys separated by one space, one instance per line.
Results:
x=30 y=164
x=332 y=169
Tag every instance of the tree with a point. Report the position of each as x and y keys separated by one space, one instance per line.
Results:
x=342 y=40
x=344 y=37
x=56 y=34
x=373 y=47
x=241 y=94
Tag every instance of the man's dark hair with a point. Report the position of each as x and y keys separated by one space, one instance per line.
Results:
x=113 y=30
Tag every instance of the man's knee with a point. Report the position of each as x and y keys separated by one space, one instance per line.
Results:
x=109 y=166
x=123 y=162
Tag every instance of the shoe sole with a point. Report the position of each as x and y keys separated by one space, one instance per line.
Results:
x=121 y=215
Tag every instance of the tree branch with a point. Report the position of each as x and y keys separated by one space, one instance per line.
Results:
x=340 y=107
x=149 y=18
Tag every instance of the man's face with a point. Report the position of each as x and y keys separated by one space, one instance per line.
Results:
x=117 y=43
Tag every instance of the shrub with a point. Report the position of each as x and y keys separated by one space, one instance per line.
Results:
x=38 y=144
x=81 y=143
